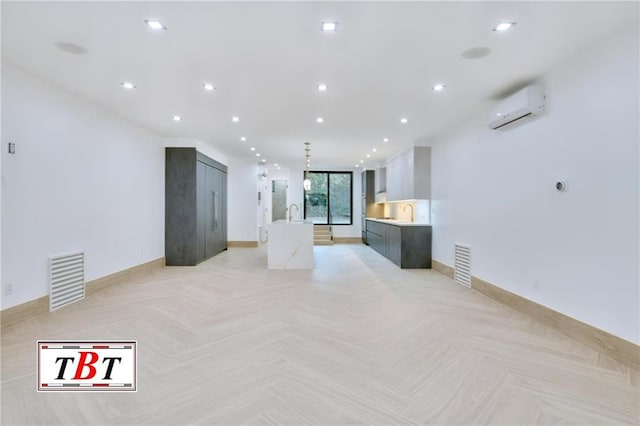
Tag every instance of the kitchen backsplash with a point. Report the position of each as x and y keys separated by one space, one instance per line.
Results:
x=421 y=211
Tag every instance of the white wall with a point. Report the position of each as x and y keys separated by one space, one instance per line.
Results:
x=575 y=251
x=295 y=195
x=82 y=179
x=242 y=200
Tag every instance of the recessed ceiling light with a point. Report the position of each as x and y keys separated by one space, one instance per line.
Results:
x=404 y=120
x=177 y=118
x=319 y=120
x=155 y=25
x=385 y=140
x=235 y=119
x=264 y=160
x=361 y=161
x=322 y=87
x=276 y=164
x=438 y=87
x=209 y=87
x=278 y=168
x=374 y=150
x=368 y=156
x=329 y=26
x=243 y=139
x=504 y=26
x=253 y=149
x=357 y=165
x=257 y=154
x=128 y=85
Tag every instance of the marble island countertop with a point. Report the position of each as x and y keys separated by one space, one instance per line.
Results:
x=398 y=222
x=290 y=245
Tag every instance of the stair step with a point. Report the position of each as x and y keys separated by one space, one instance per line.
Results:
x=322 y=235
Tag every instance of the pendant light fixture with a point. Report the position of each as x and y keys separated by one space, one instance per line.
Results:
x=307 y=154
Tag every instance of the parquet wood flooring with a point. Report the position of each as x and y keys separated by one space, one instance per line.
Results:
x=355 y=341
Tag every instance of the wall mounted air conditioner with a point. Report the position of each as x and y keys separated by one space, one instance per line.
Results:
x=525 y=103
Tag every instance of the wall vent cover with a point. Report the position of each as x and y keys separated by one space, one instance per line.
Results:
x=66 y=280
x=462 y=267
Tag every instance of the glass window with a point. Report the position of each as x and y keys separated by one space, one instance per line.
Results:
x=329 y=201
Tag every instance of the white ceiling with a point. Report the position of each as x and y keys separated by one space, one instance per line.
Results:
x=266 y=60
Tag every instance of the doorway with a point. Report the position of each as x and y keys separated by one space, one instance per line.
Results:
x=278 y=200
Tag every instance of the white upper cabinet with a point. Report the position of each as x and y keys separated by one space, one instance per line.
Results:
x=409 y=175
x=381 y=179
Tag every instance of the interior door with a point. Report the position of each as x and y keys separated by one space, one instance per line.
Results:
x=278 y=200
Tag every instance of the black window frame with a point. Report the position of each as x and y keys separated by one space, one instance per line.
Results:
x=328 y=173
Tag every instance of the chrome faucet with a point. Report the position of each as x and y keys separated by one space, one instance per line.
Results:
x=405 y=208
x=291 y=212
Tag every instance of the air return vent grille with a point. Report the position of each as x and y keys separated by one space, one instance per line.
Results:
x=66 y=280
x=462 y=271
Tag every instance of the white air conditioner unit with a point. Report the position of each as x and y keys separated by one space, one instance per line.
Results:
x=527 y=102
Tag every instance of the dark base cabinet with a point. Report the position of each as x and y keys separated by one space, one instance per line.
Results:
x=408 y=246
x=195 y=207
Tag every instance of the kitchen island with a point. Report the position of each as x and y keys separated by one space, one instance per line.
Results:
x=290 y=245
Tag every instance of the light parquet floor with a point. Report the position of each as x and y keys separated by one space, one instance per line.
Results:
x=355 y=341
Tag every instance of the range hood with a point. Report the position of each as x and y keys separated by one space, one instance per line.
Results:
x=381 y=197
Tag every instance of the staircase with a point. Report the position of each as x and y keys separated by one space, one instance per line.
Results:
x=322 y=235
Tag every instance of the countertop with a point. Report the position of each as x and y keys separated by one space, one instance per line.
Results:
x=398 y=222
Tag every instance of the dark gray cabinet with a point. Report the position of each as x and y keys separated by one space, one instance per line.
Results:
x=369 y=207
x=376 y=242
x=195 y=207
x=393 y=244
x=377 y=237
x=408 y=246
